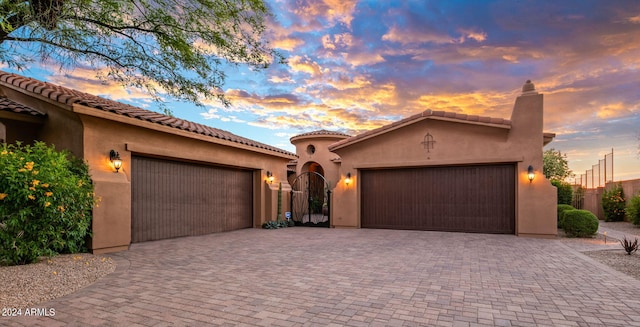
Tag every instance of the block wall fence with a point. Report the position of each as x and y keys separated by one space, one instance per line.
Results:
x=593 y=197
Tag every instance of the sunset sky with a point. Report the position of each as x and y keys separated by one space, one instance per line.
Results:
x=357 y=65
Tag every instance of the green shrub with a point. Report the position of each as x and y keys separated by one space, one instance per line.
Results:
x=633 y=209
x=580 y=223
x=613 y=204
x=565 y=192
x=561 y=209
x=275 y=224
x=46 y=198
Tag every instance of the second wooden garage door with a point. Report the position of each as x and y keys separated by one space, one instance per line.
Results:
x=174 y=199
x=465 y=199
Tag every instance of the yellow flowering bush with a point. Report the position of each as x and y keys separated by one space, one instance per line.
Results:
x=613 y=204
x=46 y=198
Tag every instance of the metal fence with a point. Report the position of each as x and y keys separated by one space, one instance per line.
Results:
x=599 y=175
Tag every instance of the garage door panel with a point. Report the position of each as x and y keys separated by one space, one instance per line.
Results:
x=469 y=199
x=174 y=199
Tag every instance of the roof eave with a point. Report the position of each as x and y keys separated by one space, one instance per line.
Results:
x=24 y=117
x=547 y=138
x=408 y=121
x=89 y=111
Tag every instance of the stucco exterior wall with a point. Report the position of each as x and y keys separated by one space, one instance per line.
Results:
x=322 y=156
x=13 y=130
x=458 y=143
x=536 y=213
x=62 y=127
x=112 y=219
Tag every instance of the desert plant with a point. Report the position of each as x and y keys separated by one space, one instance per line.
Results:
x=580 y=223
x=613 y=204
x=561 y=209
x=629 y=246
x=271 y=225
x=633 y=209
x=46 y=198
x=275 y=224
x=565 y=192
x=279 y=214
x=316 y=205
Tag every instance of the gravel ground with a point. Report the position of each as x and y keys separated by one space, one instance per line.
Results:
x=616 y=257
x=28 y=285
x=622 y=226
x=618 y=260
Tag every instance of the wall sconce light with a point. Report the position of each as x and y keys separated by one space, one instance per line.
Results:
x=269 y=177
x=347 y=180
x=530 y=173
x=114 y=157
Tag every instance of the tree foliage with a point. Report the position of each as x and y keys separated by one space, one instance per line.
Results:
x=162 y=46
x=565 y=191
x=555 y=165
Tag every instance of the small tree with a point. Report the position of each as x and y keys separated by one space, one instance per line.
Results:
x=555 y=165
x=279 y=214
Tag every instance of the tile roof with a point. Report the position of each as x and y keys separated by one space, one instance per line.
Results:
x=66 y=96
x=322 y=132
x=463 y=118
x=7 y=104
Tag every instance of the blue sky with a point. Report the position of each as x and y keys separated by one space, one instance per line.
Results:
x=357 y=65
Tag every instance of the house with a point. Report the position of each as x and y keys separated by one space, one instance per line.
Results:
x=178 y=178
x=440 y=171
x=435 y=170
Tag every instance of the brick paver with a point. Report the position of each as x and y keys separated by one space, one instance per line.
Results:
x=359 y=277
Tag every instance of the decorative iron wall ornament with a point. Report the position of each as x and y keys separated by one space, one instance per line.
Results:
x=428 y=142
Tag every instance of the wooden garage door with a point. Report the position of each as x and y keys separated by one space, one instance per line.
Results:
x=465 y=199
x=174 y=199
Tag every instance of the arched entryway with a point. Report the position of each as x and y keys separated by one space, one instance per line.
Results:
x=311 y=197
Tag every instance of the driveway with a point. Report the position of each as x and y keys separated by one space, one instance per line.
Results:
x=354 y=277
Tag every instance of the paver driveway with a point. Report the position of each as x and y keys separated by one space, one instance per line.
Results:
x=321 y=277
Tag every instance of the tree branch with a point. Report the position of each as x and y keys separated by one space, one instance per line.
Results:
x=71 y=49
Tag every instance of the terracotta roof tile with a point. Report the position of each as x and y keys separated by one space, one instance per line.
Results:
x=322 y=132
x=463 y=118
x=9 y=105
x=69 y=97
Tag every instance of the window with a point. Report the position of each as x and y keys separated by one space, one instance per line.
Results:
x=311 y=149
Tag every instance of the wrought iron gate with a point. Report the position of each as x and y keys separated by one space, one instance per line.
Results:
x=311 y=200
